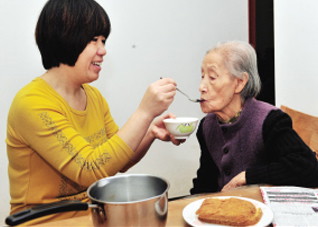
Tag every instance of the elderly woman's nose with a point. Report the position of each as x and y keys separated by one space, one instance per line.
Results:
x=202 y=86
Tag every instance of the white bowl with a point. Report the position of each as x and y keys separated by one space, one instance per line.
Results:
x=181 y=127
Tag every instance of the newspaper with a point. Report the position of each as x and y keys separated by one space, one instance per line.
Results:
x=292 y=206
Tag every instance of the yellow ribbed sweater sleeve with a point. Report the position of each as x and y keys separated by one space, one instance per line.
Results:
x=56 y=152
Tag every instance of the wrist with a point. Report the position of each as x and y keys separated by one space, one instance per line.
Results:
x=144 y=115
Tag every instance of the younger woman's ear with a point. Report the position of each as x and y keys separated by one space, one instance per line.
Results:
x=241 y=82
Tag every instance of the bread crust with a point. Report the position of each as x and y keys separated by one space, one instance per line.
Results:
x=229 y=211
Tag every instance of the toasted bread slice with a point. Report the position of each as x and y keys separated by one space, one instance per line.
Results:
x=229 y=211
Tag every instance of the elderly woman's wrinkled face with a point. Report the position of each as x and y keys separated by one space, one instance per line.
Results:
x=218 y=87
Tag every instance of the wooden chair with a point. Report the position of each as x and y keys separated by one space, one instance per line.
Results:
x=306 y=126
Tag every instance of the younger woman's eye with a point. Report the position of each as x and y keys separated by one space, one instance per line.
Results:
x=95 y=39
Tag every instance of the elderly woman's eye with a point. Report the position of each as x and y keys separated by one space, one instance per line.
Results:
x=212 y=77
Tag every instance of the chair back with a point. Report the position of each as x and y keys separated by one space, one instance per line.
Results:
x=306 y=126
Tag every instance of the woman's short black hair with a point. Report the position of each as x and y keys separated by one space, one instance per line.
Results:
x=65 y=27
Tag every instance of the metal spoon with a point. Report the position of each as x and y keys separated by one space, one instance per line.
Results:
x=192 y=100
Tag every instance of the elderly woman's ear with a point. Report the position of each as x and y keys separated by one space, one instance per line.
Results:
x=241 y=82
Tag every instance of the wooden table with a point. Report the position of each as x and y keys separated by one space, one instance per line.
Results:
x=174 y=211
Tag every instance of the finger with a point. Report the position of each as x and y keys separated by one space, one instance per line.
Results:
x=167 y=91
x=226 y=187
x=176 y=141
x=163 y=136
x=182 y=141
x=167 y=80
x=167 y=84
x=229 y=185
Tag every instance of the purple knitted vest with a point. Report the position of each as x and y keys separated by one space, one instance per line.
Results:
x=237 y=146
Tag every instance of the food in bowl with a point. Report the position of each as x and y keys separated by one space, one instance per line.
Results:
x=181 y=127
x=229 y=211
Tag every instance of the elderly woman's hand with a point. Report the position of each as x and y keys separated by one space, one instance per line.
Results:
x=236 y=181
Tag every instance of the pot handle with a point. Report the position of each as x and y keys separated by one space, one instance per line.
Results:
x=161 y=206
x=45 y=209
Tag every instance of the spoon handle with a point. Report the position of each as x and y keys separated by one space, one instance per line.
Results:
x=192 y=100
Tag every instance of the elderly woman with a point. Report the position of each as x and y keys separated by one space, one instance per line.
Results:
x=61 y=136
x=243 y=140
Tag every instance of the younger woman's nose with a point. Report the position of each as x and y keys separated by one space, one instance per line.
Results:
x=101 y=50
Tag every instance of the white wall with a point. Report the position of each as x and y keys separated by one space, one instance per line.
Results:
x=296 y=54
x=149 y=39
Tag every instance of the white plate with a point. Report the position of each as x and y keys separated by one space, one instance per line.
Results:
x=192 y=219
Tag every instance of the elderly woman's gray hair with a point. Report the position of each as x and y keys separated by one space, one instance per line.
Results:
x=240 y=57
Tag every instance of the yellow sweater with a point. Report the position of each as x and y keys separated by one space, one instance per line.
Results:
x=55 y=152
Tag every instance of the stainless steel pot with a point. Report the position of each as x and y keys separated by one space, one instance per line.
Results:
x=124 y=200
